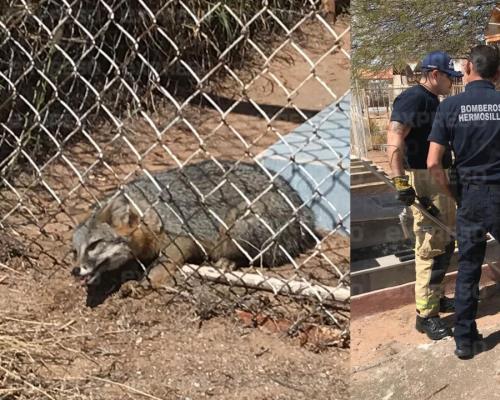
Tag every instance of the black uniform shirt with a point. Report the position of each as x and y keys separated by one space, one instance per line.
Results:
x=416 y=107
x=470 y=122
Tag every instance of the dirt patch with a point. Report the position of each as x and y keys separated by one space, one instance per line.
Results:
x=205 y=342
x=391 y=360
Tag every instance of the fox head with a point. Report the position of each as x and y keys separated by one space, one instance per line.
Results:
x=107 y=240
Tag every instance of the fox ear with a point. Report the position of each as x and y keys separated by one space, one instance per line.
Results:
x=79 y=219
x=125 y=216
x=132 y=219
x=119 y=213
x=104 y=215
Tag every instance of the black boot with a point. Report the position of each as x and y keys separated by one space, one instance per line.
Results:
x=433 y=327
x=468 y=349
x=464 y=351
x=446 y=305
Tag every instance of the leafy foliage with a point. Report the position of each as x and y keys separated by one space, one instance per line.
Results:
x=392 y=33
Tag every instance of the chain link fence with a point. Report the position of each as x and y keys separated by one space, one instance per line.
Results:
x=181 y=149
x=372 y=110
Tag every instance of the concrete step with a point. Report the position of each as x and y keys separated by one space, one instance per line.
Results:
x=361 y=177
x=370 y=188
x=359 y=163
x=357 y=168
x=374 y=233
x=389 y=271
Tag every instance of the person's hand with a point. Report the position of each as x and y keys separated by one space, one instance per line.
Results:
x=406 y=193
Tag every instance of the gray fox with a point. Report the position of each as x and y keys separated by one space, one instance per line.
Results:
x=196 y=214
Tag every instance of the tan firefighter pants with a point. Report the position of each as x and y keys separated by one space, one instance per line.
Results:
x=430 y=243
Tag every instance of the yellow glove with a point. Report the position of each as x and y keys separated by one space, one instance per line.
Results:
x=406 y=193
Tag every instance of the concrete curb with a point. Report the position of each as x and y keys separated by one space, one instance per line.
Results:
x=398 y=296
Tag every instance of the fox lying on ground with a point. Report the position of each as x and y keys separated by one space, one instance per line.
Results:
x=195 y=215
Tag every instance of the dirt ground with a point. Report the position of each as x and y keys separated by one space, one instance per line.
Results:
x=159 y=345
x=391 y=360
x=168 y=344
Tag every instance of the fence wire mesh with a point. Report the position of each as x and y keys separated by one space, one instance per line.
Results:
x=371 y=111
x=132 y=154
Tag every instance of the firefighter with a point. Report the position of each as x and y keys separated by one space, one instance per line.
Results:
x=411 y=122
x=470 y=123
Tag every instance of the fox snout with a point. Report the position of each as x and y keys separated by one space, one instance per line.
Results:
x=85 y=275
x=81 y=270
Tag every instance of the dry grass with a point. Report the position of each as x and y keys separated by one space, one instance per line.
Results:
x=29 y=359
x=24 y=359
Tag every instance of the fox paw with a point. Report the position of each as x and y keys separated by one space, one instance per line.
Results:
x=133 y=289
x=225 y=264
x=157 y=278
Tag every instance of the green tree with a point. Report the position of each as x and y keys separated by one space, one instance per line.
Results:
x=390 y=33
